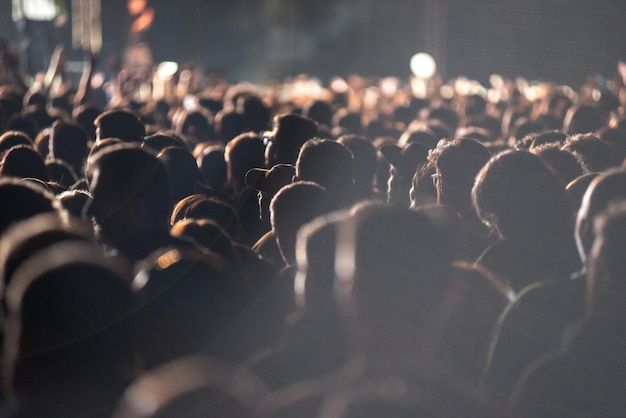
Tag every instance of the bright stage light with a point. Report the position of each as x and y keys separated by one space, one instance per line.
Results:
x=423 y=65
x=167 y=69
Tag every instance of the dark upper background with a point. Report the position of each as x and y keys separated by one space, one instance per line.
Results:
x=562 y=40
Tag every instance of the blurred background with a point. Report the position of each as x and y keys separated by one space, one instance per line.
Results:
x=255 y=40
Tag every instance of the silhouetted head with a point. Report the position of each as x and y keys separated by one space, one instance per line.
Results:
x=185 y=178
x=67 y=330
x=129 y=187
x=565 y=164
x=243 y=153
x=289 y=134
x=23 y=161
x=457 y=162
x=329 y=164
x=21 y=199
x=68 y=142
x=11 y=139
x=607 y=260
x=120 y=124
x=583 y=119
x=198 y=206
x=516 y=192
x=603 y=190
x=293 y=206
x=404 y=163
x=188 y=298
x=596 y=154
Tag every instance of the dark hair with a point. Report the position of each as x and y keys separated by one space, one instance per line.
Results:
x=291 y=132
x=327 y=163
x=23 y=161
x=517 y=192
x=120 y=124
x=198 y=206
x=596 y=154
x=68 y=142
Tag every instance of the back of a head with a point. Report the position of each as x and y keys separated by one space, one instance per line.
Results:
x=212 y=164
x=327 y=163
x=120 y=124
x=229 y=124
x=186 y=297
x=603 y=190
x=67 y=309
x=61 y=172
x=320 y=111
x=446 y=115
x=128 y=172
x=583 y=119
x=607 y=261
x=596 y=154
x=517 y=192
x=254 y=111
x=206 y=233
x=22 y=161
x=421 y=135
x=68 y=142
x=293 y=206
x=547 y=137
x=459 y=160
x=185 y=178
x=85 y=115
x=315 y=256
x=195 y=127
x=348 y=121
x=198 y=206
x=565 y=164
x=11 y=139
x=23 y=124
x=162 y=140
x=399 y=264
x=34 y=234
x=19 y=200
x=291 y=132
x=364 y=154
x=244 y=152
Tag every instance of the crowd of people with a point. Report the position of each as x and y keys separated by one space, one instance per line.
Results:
x=172 y=245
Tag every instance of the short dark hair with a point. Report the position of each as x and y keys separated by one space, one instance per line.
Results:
x=122 y=124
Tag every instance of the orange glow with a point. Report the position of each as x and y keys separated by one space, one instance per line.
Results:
x=136 y=6
x=143 y=21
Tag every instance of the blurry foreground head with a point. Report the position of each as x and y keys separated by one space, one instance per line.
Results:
x=67 y=331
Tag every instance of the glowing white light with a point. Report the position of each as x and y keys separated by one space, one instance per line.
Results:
x=339 y=85
x=446 y=92
x=167 y=69
x=462 y=86
x=596 y=95
x=496 y=81
x=389 y=86
x=493 y=96
x=423 y=65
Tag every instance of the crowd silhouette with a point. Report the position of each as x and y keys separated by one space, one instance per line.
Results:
x=188 y=247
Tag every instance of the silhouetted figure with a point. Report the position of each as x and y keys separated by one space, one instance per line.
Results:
x=67 y=347
x=289 y=132
x=120 y=124
x=130 y=202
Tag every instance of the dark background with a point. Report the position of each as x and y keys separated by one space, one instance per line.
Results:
x=562 y=40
